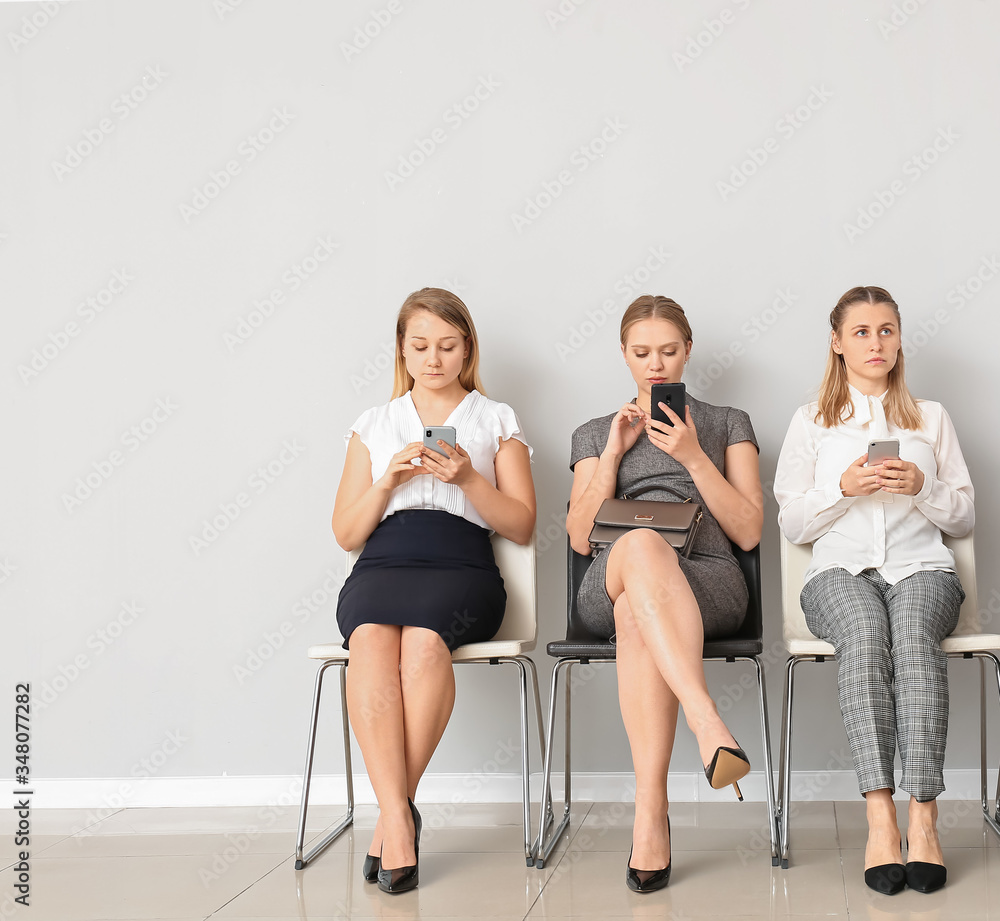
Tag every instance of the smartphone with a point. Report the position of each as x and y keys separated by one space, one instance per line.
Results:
x=435 y=433
x=672 y=395
x=882 y=449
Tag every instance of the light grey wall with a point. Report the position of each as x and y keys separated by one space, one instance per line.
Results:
x=716 y=152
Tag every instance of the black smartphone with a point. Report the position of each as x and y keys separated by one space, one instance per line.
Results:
x=882 y=449
x=672 y=395
x=435 y=433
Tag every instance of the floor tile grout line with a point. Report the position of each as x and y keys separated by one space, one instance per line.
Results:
x=558 y=863
x=280 y=863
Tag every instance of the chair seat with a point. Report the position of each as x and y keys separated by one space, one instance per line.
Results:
x=598 y=649
x=813 y=647
x=488 y=650
x=583 y=648
x=971 y=642
x=732 y=646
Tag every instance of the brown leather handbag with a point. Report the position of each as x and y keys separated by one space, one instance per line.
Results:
x=676 y=522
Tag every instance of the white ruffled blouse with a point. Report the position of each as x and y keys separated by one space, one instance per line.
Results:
x=480 y=425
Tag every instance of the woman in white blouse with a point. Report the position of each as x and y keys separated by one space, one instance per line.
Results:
x=426 y=581
x=881 y=585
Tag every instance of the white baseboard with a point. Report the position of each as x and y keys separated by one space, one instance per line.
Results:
x=117 y=792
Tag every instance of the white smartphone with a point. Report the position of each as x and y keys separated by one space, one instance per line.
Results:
x=435 y=433
x=882 y=449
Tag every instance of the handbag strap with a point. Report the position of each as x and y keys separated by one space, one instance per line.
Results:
x=646 y=489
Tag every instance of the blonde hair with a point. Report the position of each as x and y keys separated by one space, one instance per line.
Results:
x=450 y=308
x=834 y=396
x=654 y=307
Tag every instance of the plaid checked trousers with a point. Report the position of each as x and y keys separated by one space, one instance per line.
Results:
x=893 y=676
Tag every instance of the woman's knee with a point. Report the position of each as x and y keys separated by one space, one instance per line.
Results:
x=420 y=644
x=642 y=551
x=375 y=640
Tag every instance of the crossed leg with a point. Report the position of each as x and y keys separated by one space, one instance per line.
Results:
x=659 y=651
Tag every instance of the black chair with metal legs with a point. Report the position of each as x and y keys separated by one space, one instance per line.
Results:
x=582 y=648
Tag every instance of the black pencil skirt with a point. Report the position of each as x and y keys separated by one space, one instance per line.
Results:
x=426 y=568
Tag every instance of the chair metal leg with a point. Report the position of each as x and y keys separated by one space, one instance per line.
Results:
x=302 y=861
x=768 y=774
x=785 y=758
x=992 y=819
x=548 y=838
x=529 y=848
x=525 y=666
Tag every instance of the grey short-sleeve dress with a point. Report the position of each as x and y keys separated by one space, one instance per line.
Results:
x=711 y=569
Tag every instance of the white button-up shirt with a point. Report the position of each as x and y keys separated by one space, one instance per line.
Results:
x=480 y=425
x=894 y=534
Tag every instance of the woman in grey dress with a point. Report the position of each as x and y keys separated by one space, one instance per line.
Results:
x=658 y=606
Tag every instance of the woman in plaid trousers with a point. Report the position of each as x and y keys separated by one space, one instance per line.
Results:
x=881 y=585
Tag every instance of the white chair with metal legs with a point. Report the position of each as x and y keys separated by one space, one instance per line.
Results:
x=516 y=637
x=966 y=642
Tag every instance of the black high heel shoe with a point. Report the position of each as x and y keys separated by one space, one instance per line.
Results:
x=370 y=868
x=728 y=766
x=654 y=879
x=403 y=879
x=887 y=878
x=924 y=877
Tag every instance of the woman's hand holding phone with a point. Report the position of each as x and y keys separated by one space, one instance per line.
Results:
x=899 y=476
x=679 y=440
x=454 y=466
x=892 y=475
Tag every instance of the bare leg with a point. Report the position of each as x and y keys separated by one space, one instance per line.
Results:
x=649 y=710
x=883 y=832
x=427 y=685
x=427 y=678
x=643 y=567
x=375 y=705
x=922 y=839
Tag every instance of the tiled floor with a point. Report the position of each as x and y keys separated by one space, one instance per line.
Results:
x=235 y=864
